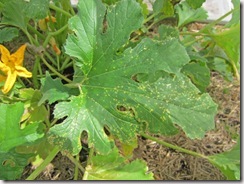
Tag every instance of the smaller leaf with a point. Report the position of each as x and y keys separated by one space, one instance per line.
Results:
x=40 y=150
x=8 y=34
x=222 y=66
x=114 y=167
x=229 y=41
x=166 y=32
x=53 y=90
x=195 y=4
x=163 y=6
x=10 y=133
x=36 y=9
x=235 y=15
x=199 y=73
x=12 y=164
x=228 y=162
x=187 y=15
x=144 y=7
x=34 y=112
x=128 y=148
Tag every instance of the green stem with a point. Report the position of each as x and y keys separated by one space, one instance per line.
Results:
x=51 y=34
x=43 y=165
x=54 y=70
x=58 y=62
x=236 y=72
x=191 y=42
x=52 y=6
x=183 y=150
x=34 y=73
x=72 y=159
x=53 y=122
x=76 y=174
x=91 y=153
x=21 y=82
x=194 y=34
x=35 y=31
x=50 y=58
x=150 y=18
x=217 y=21
x=29 y=37
x=65 y=63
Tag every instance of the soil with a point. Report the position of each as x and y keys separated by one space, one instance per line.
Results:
x=168 y=164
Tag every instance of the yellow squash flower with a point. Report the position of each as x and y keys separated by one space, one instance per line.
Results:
x=11 y=66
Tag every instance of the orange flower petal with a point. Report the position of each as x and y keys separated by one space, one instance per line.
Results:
x=11 y=78
x=5 y=55
x=22 y=72
x=4 y=68
x=53 y=19
x=18 y=56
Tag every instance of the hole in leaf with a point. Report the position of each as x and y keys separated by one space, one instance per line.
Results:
x=140 y=77
x=134 y=78
x=9 y=162
x=61 y=120
x=106 y=130
x=105 y=23
x=126 y=110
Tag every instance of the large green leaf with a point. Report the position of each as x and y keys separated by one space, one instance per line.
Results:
x=12 y=164
x=10 y=133
x=186 y=14
x=112 y=98
x=228 y=162
x=114 y=167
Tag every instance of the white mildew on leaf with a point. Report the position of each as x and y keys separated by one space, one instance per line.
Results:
x=109 y=83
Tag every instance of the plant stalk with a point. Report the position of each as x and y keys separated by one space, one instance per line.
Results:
x=54 y=70
x=175 y=147
x=72 y=159
x=43 y=165
x=52 y=6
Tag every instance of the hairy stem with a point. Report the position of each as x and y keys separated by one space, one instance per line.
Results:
x=76 y=162
x=43 y=165
x=53 y=7
x=55 y=71
x=76 y=174
x=175 y=147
